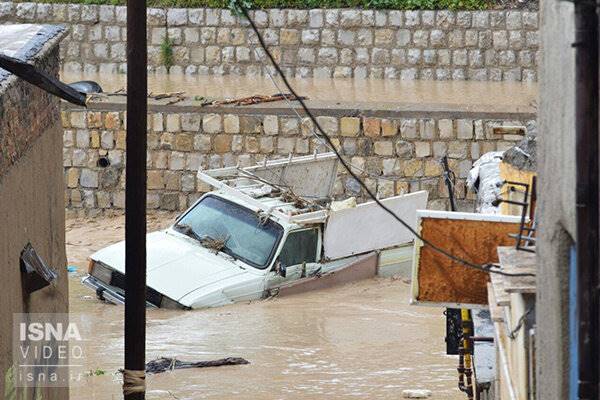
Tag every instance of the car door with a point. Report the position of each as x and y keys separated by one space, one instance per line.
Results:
x=298 y=257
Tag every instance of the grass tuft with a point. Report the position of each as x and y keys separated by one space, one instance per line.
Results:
x=166 y=52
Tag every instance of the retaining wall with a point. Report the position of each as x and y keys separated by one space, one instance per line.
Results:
x=443 y=45
x=394 y=151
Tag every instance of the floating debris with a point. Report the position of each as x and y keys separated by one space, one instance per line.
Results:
x=159 y=96
x=416 y=394
x=86 y=87
x=256 y=99
x=163 y=364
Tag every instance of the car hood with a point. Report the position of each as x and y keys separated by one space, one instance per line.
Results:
x=176 y=265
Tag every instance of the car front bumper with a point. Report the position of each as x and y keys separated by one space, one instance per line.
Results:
x=106 y=292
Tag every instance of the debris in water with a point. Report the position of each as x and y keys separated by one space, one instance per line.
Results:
x=86 y=87
x=416 y=394
x=168 y=364
x=256 y=99
x=96 y=372
x=160 y=96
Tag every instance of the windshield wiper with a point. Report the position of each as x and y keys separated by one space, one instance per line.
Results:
x=188 y=231
x=218 y=245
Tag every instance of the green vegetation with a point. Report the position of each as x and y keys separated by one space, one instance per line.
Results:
x=306 y=4
x=166 y=52
x=96 y=372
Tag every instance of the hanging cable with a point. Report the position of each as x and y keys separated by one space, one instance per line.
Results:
x=489 y=267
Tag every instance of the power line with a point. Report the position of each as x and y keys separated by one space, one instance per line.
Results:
x=486 y=267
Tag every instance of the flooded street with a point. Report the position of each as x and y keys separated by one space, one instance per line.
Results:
x=360 y=340
x=361 y=90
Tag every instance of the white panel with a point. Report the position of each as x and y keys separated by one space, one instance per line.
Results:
x=312 y=179
x=510 y=219
x=368 y=227
x=310 y=176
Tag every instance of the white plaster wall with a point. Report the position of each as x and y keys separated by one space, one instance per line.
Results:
x=557 y=195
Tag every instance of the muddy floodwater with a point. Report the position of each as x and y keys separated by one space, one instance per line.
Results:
x=490 y=94
x=360 y=340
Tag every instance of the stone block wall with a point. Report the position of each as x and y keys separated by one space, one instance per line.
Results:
x=395 y=153
x=443 y=45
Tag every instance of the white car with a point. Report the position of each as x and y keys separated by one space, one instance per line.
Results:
x=238 y=243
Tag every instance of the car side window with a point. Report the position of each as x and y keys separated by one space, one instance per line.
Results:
x=299 y=247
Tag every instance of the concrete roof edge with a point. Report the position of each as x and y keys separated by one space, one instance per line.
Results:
x=46 y=39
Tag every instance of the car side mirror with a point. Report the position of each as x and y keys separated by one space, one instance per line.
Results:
x=280 y=269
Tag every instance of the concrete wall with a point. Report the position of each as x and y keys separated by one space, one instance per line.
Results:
x=444 y=45
x=31 y=203
x=556 y=205
x=399 y=149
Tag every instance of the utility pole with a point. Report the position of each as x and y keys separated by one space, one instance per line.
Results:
x=134 y=375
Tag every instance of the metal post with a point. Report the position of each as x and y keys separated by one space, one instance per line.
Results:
x=448 y=178
x=453 y=316
x=135 y=203
x=586 y=147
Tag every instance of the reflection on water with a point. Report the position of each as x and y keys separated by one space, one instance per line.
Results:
x=366 y=90
x=361 y=340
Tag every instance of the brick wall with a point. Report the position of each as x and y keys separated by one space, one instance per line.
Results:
x=399 y=151
x=443 y=45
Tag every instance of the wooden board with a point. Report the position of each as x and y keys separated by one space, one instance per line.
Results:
x=510 y=173
x=470 y=236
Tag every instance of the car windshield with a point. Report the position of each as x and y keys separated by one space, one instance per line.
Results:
x=235 y=230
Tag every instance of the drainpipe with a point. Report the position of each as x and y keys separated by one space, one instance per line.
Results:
x=586 y=147
x=135 y=203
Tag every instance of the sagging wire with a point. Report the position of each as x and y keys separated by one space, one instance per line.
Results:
x=238 y=7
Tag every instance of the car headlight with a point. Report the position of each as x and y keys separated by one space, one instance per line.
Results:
x=100 y=271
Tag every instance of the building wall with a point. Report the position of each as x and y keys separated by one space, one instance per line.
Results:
x=556 y=205
x=444 y=45
x=31 y=203
x=400 y=150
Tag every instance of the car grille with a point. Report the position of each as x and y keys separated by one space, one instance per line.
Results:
x=152 y=296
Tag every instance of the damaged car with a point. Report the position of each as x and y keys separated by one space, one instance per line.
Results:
x=260 y=228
